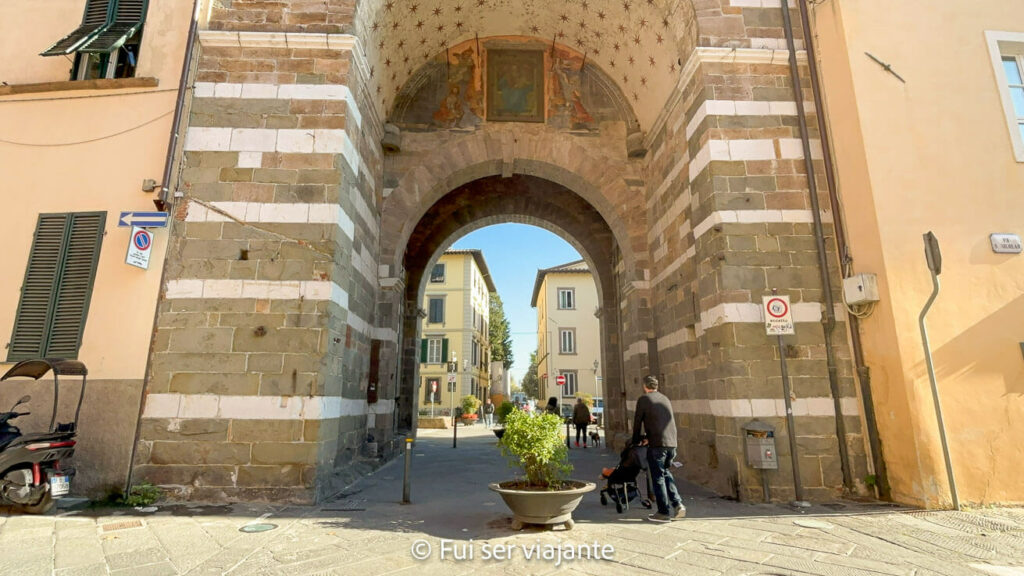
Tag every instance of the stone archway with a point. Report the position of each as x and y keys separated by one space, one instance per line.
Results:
x=521 y=198
x=280 y=342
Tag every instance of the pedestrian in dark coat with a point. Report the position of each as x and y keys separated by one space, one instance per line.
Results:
x=581 y=419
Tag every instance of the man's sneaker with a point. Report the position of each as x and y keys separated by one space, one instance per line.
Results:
x=577 y=444
x=679 y=512
x=659 y=517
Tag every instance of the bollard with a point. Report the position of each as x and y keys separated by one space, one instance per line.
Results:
x=567 y=433
x=455 y=432
x=408 y=467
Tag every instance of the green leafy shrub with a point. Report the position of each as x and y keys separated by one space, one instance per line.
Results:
x=504 y=410
x=535 y=445
x=469 y=405
x=143 y=494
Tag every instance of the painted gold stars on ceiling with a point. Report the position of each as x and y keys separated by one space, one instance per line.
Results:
x=642 y=42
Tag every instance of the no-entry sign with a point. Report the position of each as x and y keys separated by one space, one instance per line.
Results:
x=560 y=380
x=778 y=316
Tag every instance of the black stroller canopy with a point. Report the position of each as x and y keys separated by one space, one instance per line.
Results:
x=38 y=368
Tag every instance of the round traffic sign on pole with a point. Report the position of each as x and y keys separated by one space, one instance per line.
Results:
x=560 y=380
x=777 y=307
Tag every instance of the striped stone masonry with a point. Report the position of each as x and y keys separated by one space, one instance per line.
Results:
x=730 y=220
x=268 y=310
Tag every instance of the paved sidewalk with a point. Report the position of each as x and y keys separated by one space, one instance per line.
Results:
x=368 y=532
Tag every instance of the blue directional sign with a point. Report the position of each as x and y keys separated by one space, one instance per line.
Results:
x=143 y=219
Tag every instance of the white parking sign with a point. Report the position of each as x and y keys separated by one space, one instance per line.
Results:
x=778 y=316
x=139 y=248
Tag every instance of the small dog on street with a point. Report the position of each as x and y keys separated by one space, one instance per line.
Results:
x=595 y=438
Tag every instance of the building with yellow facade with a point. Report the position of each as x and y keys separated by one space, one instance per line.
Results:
x=934 y=143
x=568 y=334
x=454 y=348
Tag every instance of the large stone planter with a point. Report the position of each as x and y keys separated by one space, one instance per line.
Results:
x=542 y=506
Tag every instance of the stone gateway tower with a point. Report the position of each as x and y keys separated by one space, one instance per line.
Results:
x=334 y=149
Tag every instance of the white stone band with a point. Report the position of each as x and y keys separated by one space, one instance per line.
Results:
x=258 y=289
x=762 y=407
x=295 y=141
x=260 y=407
x=281 y=92
x=751 y=150
x=271 y=213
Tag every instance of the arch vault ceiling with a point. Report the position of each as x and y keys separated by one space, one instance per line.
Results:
x=641 y=44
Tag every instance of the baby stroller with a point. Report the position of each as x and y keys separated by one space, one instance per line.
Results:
x=621 y=482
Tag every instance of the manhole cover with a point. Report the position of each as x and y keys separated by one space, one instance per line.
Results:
x=121 y=525
x=254 y=528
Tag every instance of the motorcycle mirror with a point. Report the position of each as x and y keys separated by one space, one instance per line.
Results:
x=24 y=400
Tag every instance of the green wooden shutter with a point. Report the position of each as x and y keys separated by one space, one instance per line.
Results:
x=58 y=285
x=75 y=288
x=423 y=351
x=444 y=350
x=127 y=21
x=35 y=309
x=98 y=17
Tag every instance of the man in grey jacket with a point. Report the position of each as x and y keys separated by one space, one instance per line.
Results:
x=654 y=417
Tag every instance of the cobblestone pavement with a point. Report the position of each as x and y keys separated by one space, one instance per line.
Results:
x=368 y=532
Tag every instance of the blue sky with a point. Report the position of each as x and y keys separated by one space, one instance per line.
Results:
x=514 y=253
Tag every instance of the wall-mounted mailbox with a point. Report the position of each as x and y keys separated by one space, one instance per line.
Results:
x=761 y=451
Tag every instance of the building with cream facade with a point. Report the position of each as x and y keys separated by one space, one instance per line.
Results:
x=568 y=342
x=454 y=334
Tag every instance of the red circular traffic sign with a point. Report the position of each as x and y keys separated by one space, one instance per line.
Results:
x=142 y=240
x=777 y=308
x=560 y=380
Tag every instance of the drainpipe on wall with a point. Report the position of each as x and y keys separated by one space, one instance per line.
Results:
x=161 y=202
x=819 y=237
x=863 y=374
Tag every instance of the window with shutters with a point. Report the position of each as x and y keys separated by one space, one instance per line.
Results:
x=58 y=284
x=567 y=341
x=566 y=298
x=106 y=44
x=434 y=350
x=1007 y=52
x=437 y=274
x=571 y=384
x=436 y=313
x=432 y=391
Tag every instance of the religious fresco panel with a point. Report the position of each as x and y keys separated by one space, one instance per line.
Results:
x=509 y=79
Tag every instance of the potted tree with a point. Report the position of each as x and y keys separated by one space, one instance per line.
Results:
x=470 y=404
x=545 y=495
x=504 y=410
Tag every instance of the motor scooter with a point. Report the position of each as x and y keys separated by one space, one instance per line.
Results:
x=34 y=467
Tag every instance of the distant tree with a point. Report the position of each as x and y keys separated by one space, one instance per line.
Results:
x=499 y=335
x=530 y=383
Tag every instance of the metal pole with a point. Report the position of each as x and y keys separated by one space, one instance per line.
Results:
x=455 y=431
x=567 y=433
x=408 y=466
x=791 y=429
x=935 y=389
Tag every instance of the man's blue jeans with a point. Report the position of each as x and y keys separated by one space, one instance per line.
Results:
x=659 y=460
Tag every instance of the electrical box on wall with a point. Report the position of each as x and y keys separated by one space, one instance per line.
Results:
x=860 y=289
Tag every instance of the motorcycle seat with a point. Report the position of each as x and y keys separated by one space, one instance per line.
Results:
x=10 y=440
